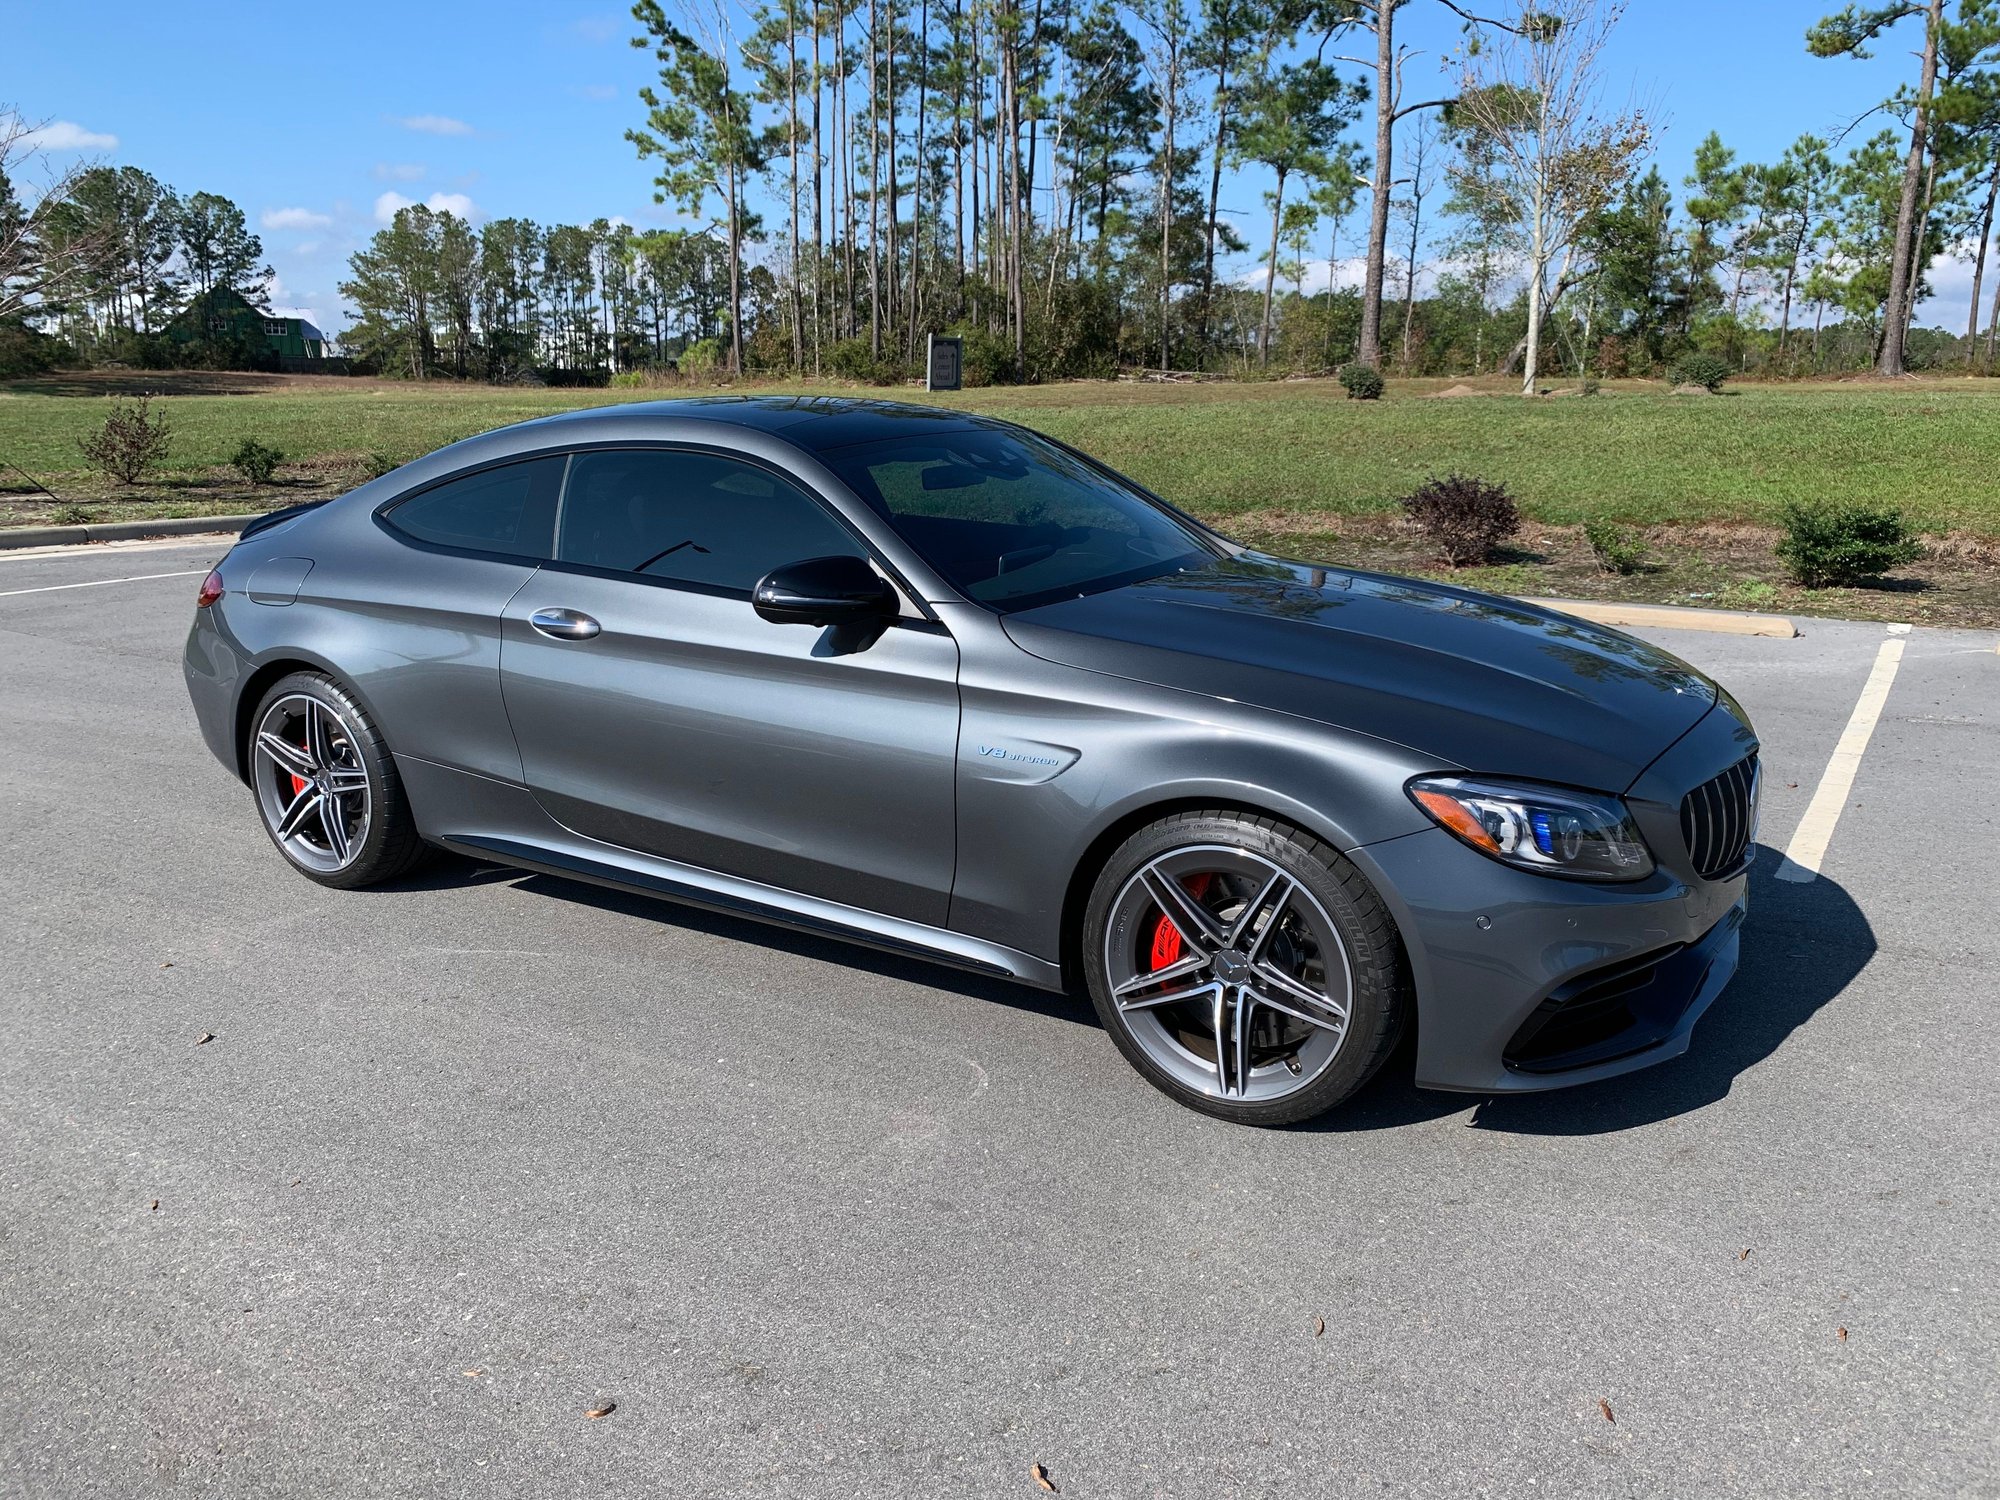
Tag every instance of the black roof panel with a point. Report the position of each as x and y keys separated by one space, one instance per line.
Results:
x=814 y=423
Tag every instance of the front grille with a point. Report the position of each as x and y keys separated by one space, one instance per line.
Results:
x=1718 y=818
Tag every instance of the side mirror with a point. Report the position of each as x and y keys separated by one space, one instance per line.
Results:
x=823 y=591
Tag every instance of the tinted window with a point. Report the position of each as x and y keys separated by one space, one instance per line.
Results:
x=510 y=509
x=691 y=518
x=1013 y=520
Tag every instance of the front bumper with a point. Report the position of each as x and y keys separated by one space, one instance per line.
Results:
x=1524 y=982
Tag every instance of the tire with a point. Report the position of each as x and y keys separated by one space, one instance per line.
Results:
x=1288 y=994
x=312 y=748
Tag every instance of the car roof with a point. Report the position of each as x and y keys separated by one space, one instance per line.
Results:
x=816 y=424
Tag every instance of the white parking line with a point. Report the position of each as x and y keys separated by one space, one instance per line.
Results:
x=1807 y=849
x=98 y=583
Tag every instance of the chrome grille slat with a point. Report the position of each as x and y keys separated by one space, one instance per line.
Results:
x=1716 y=820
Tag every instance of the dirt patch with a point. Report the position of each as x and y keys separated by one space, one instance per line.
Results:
x=1715 y=564
x=1453 y=392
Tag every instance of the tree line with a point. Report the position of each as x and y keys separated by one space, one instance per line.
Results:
x=1046 y=177
x=98 y=268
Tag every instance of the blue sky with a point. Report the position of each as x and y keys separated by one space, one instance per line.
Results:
x=319 y=120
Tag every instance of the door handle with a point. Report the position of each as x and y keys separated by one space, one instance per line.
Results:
x=564 y=624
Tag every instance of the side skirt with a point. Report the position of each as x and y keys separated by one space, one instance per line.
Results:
x=501 y=823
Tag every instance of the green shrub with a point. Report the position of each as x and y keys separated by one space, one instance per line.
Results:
x=854 y=359
x=851 y=359
x=1698 y=368
x=1589 y=386
x=701 y=359
x=1826 y=546
x=255 y=462
x=1465 y=518
x=376 y=463
x=132 y=439
x=986 y=359
x=69 y=513
x=1363 y=382
x=1618 y=549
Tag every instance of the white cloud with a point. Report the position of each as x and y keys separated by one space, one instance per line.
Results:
x=596 y=29
x=67 y=135
x=435 y=124
x=387 y=206
x=306 y=247
x=398 y=171
x=599 y=91
x=293 y=218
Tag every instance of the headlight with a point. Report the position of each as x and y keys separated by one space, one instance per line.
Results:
x=1550 y=830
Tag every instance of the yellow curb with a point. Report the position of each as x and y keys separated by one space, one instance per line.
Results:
x=1672 y=617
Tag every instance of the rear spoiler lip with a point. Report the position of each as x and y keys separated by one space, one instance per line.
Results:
x=275 y=518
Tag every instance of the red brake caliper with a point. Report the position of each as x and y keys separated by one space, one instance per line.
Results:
x=1167 y=937
x=299 y=782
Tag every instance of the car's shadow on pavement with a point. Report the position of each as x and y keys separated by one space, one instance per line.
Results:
x=451 y=871
x=1802 y=946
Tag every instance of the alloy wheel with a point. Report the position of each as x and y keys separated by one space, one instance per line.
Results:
x=311 y=783
x=1228 y=973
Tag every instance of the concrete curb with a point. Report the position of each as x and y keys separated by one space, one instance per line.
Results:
x=118 y=531
x=1672 y=617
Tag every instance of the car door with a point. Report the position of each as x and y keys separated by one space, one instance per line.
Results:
x=429 y=656
x=655 y=710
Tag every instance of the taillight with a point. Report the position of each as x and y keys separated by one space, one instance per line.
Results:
x=211 y=590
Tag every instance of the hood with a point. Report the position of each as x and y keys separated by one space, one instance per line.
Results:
x=1478 y=682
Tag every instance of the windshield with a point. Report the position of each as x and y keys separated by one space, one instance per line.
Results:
x=1014 y=521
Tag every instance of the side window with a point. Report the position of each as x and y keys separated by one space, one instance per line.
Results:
x=691 y=518
x=510 y=509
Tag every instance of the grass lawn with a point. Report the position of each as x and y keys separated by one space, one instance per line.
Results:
x=1282 y=463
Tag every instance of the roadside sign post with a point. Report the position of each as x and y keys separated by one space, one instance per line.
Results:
x=943 y=367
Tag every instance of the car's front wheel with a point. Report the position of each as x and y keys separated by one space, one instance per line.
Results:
x=1243 y=966
x=327 y=787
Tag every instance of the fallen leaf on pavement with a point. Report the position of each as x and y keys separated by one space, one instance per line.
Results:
x=204 y=1039
x=1841 y=1334
x=168 y=964
x=156 y=1205
x=1319 y=1327
x=473 y=1374
x=1041 y=1477
x=1605 y=1407
x=1744 y=1256
x=602 y=1411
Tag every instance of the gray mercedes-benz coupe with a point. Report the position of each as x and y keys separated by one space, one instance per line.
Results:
x=935 y=683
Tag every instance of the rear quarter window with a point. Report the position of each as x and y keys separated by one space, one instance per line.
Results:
x=509 y=509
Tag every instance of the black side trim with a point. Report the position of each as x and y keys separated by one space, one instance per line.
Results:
x=581 y=867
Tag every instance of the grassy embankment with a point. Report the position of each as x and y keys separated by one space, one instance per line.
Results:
x=1290 y=465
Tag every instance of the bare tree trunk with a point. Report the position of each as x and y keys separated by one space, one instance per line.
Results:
x=917 y=181
x=1979 y=261
x=1167 y=205
x=1271 y=273
x=792 y=128
x=735 y=275
x=874 y=183
x=1369 y=351
x=1225 y=25
x=819 y=221
x=1895 y=332
x=893 y=279
x=1017 y=296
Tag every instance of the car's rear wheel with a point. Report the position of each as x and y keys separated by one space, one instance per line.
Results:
x=326 y=786
x=1243 y=966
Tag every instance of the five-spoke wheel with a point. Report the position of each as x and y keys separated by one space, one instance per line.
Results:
x=326 y=786
x=1243 y=966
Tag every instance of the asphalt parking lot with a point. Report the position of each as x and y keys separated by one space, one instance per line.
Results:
x=468 y=1159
